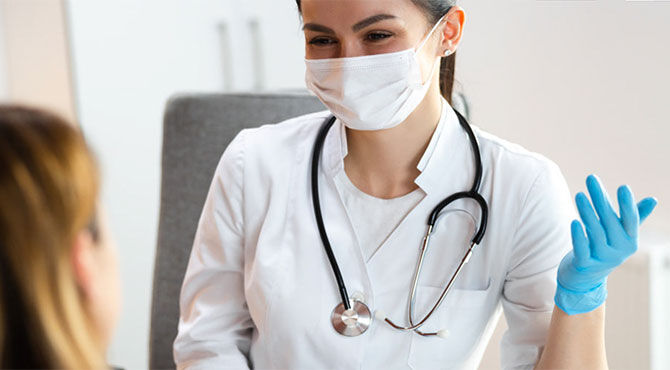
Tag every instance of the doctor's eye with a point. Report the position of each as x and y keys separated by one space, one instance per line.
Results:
x=377 y=36
x=321 y=41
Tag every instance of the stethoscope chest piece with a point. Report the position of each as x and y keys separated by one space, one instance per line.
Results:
x=351 y=322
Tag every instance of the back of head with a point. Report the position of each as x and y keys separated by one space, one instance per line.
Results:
x=48 y=191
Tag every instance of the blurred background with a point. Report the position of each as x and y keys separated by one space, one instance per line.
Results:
x=583 y=82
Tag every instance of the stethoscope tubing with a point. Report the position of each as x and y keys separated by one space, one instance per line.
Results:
x=473 y=194
x=316 y=154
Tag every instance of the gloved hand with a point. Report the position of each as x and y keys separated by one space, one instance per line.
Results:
x=609 y=241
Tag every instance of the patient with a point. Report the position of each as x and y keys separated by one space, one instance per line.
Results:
x=59 y=289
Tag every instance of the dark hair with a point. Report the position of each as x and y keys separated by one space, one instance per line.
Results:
x=434 y=10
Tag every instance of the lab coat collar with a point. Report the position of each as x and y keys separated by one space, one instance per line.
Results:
x=442 y=157
x=446 y=141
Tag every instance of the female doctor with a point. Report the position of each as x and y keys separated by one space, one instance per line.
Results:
x=307 y=248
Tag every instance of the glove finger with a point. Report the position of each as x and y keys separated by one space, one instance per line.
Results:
x=645 y=207
x=603 y=208
x=594 y=229
x=580 y=245
x=630 y=217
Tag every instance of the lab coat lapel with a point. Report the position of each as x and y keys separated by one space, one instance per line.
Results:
x=447 y=167
x=340 y=230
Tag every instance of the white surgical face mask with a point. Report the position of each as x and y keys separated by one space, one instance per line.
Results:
x=371 y=92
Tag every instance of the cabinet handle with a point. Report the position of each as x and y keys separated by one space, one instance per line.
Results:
x=226 y=52
x=257 y=53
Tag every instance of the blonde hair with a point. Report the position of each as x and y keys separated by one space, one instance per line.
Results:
x=48 y=191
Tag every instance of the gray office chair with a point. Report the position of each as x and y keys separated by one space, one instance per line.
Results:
x=196 y=131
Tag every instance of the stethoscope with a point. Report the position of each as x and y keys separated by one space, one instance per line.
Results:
x=352 y=317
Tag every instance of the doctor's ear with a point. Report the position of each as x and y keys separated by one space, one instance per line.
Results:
x=451 y=30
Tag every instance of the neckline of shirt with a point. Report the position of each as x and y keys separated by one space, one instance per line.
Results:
x=346 y=182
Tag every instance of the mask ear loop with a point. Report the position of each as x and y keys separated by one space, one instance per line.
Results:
x=429 y=34
x=416 y=51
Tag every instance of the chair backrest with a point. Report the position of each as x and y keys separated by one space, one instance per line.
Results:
x=197 y=129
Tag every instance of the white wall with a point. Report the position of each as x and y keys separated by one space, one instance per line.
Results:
x=4 y=88
x=35 y=60
x=583 y=82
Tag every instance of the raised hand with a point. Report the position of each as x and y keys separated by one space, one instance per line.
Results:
x=609 y=240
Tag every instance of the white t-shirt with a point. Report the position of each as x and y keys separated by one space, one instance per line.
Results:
x=374 y=219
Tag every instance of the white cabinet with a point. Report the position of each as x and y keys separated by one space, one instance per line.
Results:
x=263 y=45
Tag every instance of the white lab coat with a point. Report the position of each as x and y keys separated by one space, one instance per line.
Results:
x=259 y=290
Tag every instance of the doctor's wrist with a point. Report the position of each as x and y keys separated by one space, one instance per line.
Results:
x=574 y=302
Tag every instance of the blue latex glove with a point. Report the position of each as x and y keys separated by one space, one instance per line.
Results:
x=608 y=242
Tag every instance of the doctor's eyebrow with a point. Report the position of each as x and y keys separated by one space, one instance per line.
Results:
x=356 y=27
x=371 y=20
x=318 y=28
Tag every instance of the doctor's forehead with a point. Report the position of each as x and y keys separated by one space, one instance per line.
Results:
x=350 y=12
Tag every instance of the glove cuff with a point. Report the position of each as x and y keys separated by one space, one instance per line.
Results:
x=574 y=302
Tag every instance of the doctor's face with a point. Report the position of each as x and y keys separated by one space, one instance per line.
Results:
x=350 y=28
